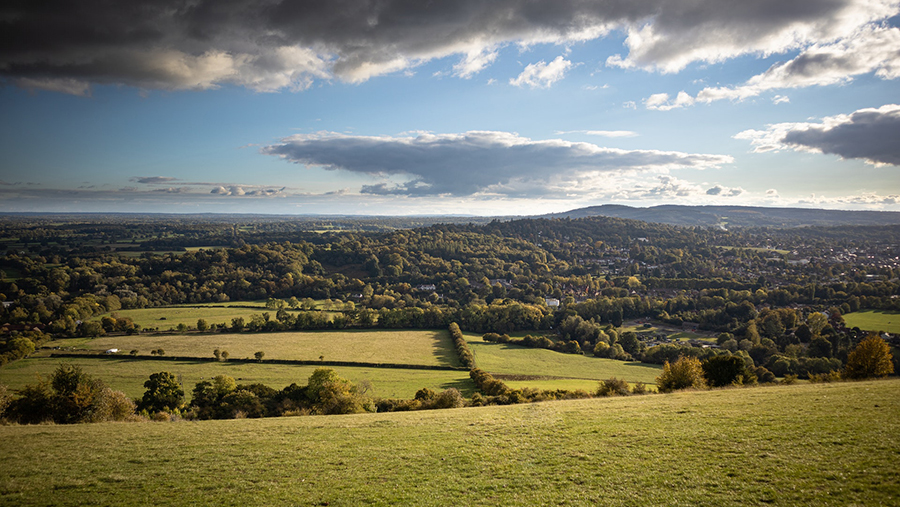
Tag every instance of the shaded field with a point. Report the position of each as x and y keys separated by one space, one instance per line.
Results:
x=425 y=347
x=874 y=320
x=129 y=375
x=504 y=358
x=812 y=444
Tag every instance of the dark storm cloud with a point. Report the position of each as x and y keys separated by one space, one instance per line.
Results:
x=274 y=44
x=471 y=162
x=868 y=134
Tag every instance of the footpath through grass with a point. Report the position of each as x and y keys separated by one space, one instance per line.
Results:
x=810 y=444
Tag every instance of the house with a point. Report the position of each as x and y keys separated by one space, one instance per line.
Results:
x=552 y=302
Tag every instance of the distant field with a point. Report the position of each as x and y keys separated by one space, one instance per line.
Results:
x=515 y=360
x=422 y=347
x=874 y=320
x=168 y=318
x=129 y=375
x=812 y=444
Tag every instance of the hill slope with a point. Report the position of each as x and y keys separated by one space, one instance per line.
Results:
x=812 y=444
x=736 y=216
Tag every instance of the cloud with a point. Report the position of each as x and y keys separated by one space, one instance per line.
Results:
x=780 y=99
x=66 y=46
x=477 y=161
x=661 y=102
x=542 y=74
x=723 y=191
x=152 y=180
x=867 y=134
x=239 y=190
x=871 y=49
x=679 y=33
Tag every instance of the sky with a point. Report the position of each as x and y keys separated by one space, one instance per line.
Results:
x=447 y=107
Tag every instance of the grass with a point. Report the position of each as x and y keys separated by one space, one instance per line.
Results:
x=188 y=315
x=507 y=359
x=420 y=347
x=814 y=444
x=874 y=320
x=129 y=375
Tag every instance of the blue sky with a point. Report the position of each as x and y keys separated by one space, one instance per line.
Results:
x=464 y=107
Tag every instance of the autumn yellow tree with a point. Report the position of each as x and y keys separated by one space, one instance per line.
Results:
x=871 y=358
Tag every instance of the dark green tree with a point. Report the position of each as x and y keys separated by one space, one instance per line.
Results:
x=163 y=394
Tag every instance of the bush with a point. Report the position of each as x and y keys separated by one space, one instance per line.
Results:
x=684 y=373
x=789 y=379
x=818 y=378
x=764 y=376
x=639 y=388
x=613 y=387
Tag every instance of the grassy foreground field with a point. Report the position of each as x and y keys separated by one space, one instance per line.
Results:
x=129 y=375
x=874 y=320
x=811 y=444
x=423 y=347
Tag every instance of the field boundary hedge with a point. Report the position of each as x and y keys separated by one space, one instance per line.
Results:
x=295 y=362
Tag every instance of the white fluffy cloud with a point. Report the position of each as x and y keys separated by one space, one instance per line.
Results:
x=170 y=44
x=868 y=134
x=871 y=49
x=542 y=74
x=476 y=162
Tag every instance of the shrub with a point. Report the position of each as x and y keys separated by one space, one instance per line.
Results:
x=789 y=379
x=639 y=388
x=764 y=376
x=684 y=373
x=871 y=358
x=451 y=398
x=613 y=387
x=832 y=376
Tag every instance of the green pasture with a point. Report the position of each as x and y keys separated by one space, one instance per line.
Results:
x=421 y=347
x=169 y=317
x=507 y=359
x=874 y=320
x=812 y=444
x=129 y=375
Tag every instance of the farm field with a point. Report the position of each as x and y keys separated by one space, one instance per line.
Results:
x=811 y=444
x=420 y=347
x=509 y=359
x=168 y=318
x=129 y=375
x=874 y=320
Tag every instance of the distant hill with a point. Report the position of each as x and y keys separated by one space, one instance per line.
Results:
x=736 y=216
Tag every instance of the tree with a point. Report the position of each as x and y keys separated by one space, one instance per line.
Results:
x=163 y=393
x=684 y=373
x=871 y=358
x=259 y=355
x=726 y=370
x=202 y=325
